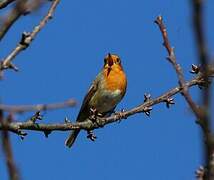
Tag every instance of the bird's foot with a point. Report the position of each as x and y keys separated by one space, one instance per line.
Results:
x=94 y=115
x=91 y=135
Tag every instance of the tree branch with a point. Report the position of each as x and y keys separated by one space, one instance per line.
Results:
x=12 y=17
x=206 y=94
x=5 y=3
x=26 y=39
x=38 y=107
x=100 y=122
x=200 y=113
x=177 y=67
x=7 y=149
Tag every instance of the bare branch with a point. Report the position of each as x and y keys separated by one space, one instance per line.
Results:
x=177 y=67
x=100 y=122
x=200 y=113
x=204 y=61
x=26 y=39
x=5 y=3
x=199 y=32
x=38 y=107
x=7 y=149
x=12 y=17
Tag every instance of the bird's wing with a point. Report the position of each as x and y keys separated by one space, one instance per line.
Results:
x=84 y=110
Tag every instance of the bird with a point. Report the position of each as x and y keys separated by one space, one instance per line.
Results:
x=105 y=92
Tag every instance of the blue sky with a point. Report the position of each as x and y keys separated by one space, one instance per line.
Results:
x=63 y=60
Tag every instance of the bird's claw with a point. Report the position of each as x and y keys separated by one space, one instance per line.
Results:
x=94 y=115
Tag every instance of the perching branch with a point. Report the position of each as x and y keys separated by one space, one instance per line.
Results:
x=38 y=107
x=26 y=39
x=100 y=122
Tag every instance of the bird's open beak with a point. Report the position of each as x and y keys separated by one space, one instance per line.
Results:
x=110 y=63
x=110 y=60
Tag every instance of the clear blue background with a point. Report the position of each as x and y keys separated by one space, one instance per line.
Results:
x=62 y=62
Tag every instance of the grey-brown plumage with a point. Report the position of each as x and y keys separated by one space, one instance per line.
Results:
x=104 y=94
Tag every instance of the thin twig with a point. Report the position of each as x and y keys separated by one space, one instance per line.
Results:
x=172 y=59
x=26 y=39
x=38 y=107
x=12 y=17
x=5 y=3
x=100 y=122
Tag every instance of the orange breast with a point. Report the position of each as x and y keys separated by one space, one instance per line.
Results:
x=116 y=79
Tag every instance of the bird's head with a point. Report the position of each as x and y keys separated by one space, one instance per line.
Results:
x=112 y=62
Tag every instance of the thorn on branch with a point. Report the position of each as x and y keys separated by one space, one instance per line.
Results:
x=200 y=173
x=50 y=17
x=200 y=87
x=36 y=116
x=7 y=65
x=91 y=135
x=12 y=66
x=147 y=97
x=21 y=134
x=24 y=41
x=47 y=133
x=67 y=120
x=169 y=101
x=195 y=69
x=147 y=111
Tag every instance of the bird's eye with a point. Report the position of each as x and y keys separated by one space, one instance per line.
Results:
x=118 y=60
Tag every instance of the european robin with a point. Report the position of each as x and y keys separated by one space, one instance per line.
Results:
x=106 y=91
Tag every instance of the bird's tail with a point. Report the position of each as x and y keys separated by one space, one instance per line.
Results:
x=72 y=137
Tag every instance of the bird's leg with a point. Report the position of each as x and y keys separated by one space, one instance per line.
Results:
x=94 y=114
x=93 y=117
x=91 y=135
